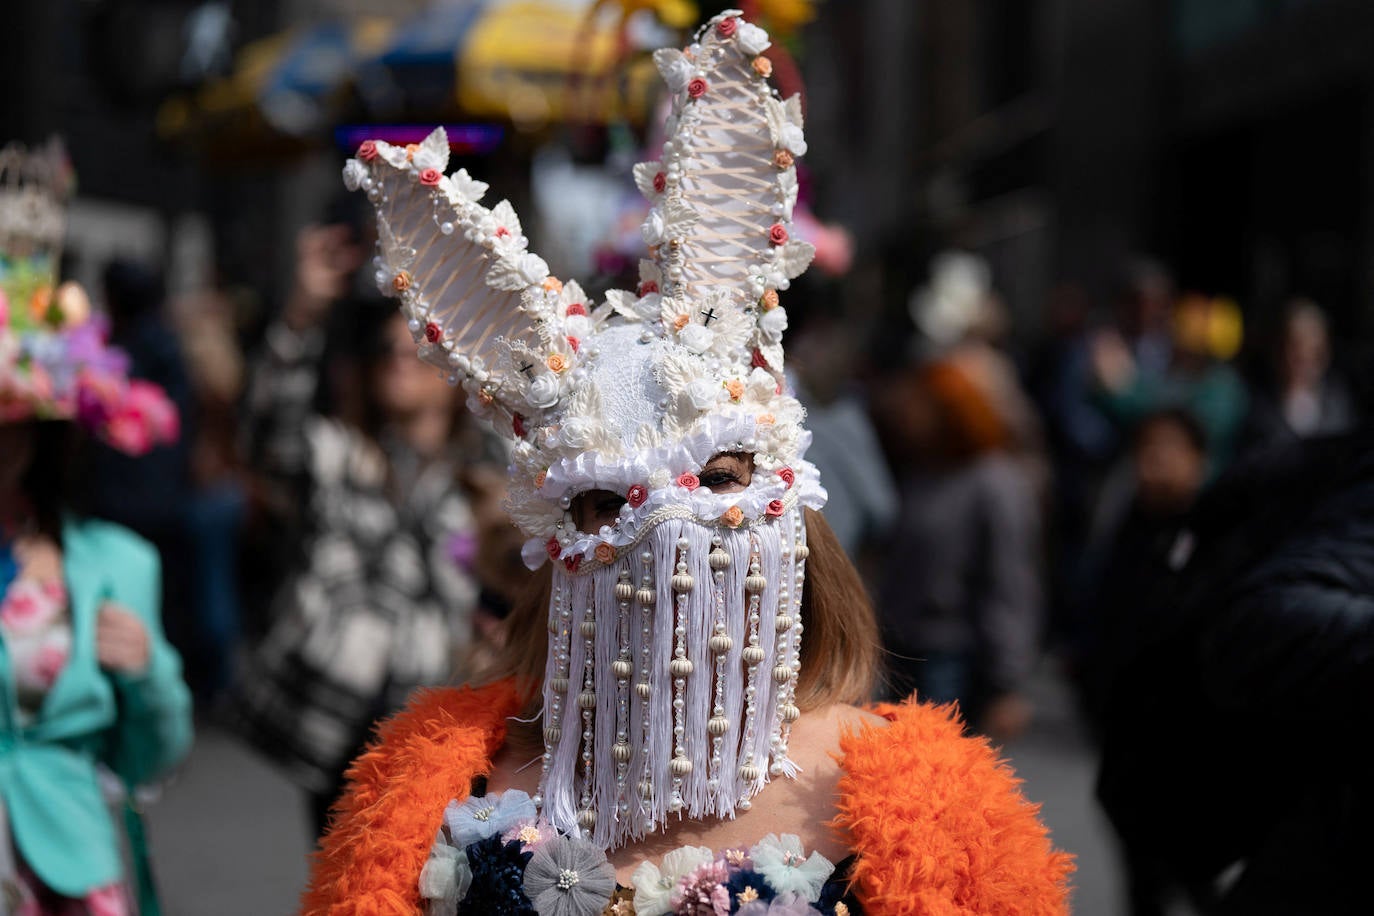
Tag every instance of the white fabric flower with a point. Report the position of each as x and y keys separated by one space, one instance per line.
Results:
x=532 y=268
x=696 y=337
x=654 y=885
x=793 y=140
x=773 y=323
x=578 y=326
x=465 y=187
x=703 y=393
x=353 y=174
x=786 y=867
x=543 y=390
x=445 y=879
x=654 y=228
x=577 y=433
x=675 y=67
x=751 y=38
x=762 y=385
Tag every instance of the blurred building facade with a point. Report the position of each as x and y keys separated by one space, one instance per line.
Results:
x=1061 y=137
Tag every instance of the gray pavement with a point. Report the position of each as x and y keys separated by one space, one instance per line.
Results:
x=230 y=836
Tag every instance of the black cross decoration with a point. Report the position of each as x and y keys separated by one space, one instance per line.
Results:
x=710 y=315
x=526 y=369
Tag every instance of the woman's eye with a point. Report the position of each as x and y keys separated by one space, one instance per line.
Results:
x=717 y=478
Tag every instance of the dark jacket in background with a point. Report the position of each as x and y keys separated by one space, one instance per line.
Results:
x=1238 y=726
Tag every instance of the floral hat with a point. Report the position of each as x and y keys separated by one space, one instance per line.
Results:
x=55 y=362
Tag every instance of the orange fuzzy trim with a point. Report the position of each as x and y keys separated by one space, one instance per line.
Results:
x=370 y=860
x=939 y=823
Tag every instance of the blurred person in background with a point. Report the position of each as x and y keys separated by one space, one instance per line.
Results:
x=1302 y=396
x=150 y=494
x=1168 y=470
x=381 y=596
x=1237 y=735
x=1199 y=376
x=961 y=603
x=216 y=508
x=89 y=687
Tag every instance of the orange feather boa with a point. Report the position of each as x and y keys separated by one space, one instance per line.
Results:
x=937 y=821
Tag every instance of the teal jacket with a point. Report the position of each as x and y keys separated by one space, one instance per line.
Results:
x=137 y=726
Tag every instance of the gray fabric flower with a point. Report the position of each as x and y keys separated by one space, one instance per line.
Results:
x=569 y=877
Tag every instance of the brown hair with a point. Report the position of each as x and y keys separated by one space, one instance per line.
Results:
x=970 y=421
x=840 y=648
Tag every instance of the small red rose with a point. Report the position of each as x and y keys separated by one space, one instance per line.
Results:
x=573 y=562
x=775 y=508
x=788 y=476
x=368 y=151
x=758 y=361
x=697 y=88
x=577 y=308
x=689 y=480
x=433 y=333
x=777 y=234
x=727 y=27
x=660 y=182
x=647 y=287
x=574 y=343
x=554 y=548
x=518 y=425
x=502 y=232
x=430 y=177
x=636 y=496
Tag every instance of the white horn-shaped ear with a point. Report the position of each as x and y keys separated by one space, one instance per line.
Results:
x=726 y=186
x=471 y=292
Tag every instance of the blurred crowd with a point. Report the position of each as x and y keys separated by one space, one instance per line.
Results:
x=334 y=535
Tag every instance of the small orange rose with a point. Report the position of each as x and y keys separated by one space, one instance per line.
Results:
x=605 y=553
x=763 y=66
x=782 y=159
x=680 y=322
x=401 y=282
x=411 y=150
x=736 y=389
x=557 y=362
x=765 y=419
x=733 y=517
x=485 y=398
x=540 y=478
x=769 y=300
x=553 y=284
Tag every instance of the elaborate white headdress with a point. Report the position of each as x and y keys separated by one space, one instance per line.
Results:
x=674 y=633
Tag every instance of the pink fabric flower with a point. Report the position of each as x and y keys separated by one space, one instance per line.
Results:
x=575 y=343
x=757 y=360
x=577 y=308
x=636 y=496
x=788 y=476
x=702 y=892
x=430 y=177
x=777 y=234
x=368 y=151
x=697 y=88
x=572 y=563
x=660 y=182
x=727 y=27
x=689 y=480
x=433 y=333
x=774 y=508
x=554 y=548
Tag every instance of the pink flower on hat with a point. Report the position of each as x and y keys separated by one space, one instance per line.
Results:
x=788 y=476
x=660 y=182
x=554 y=548
x=368 y=151
x=577 y=308
x=727 y=27
x=430 y=177
x=774 y=508
x=636 y=496
x=689 y=480
x=777 y=234
x=697 y=88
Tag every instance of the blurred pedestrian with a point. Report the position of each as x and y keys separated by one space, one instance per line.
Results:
x=1302 y=396
x=379 y=598
x=1237 y=727
x=961 y=606
x=1168 y=465
x=88 y=684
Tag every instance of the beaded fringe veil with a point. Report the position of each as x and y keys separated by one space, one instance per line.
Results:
x=671 y=678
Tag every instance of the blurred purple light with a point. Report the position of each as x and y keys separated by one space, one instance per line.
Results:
x=463 y=139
